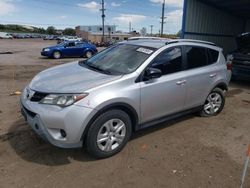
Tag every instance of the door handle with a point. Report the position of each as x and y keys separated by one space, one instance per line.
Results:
x=181 y=82
x=212 y=75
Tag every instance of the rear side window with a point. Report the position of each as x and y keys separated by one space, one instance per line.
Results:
x=196 y=57
x=213 y=56
x=169 y=61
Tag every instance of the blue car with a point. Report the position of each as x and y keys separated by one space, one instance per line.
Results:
x=70 y=49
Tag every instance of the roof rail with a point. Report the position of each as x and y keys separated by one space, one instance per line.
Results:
x=190 y=40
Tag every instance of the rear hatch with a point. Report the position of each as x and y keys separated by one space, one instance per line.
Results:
x=241 y=57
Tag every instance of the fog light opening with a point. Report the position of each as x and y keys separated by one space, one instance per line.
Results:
x=63 y=133
x=36 y=126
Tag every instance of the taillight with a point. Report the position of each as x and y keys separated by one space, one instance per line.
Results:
x=229 y=66
x=229 y=61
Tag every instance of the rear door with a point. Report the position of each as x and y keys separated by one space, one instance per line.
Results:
x=201 y=72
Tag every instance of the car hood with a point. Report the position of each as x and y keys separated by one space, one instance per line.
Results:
x=53 y=47
x=243 y=42
x=69 y=78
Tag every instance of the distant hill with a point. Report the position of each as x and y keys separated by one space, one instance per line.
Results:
x=21 y=28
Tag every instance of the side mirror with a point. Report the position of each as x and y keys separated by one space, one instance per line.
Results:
x=152 y=73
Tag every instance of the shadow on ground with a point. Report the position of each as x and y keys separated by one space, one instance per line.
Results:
x=243 y=84
x=30 y=147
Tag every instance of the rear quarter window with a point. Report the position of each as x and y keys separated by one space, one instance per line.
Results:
x=213 y=56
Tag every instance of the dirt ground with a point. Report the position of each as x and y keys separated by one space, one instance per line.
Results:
x=188 y=152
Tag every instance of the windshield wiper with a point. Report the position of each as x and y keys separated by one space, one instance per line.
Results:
x=84 y=63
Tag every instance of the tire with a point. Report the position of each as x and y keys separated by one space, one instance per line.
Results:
x=56 y=55
x=88 y=54
x=214 y=103
x=113 y=130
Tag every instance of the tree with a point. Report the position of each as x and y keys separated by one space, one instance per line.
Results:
x=51 y=30
x=179 y=34
x=39 y=30
x=69 y=31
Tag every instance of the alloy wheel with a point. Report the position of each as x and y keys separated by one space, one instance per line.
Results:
x=57 y=55
x=88 y=54
x=111 y=135
x=213 y=103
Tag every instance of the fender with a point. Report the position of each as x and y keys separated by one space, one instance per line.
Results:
x=118 y=105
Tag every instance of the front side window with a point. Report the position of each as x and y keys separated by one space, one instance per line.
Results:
x=169 y=61
x=196 y=57
x=119 y=59
x=70 y=44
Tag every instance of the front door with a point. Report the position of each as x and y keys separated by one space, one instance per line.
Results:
x=71 y=50
x=165 y=95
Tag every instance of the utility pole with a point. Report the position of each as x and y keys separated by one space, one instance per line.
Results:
x=151 y=26
x=103 y=17
x=162 y=17
x=129 y=26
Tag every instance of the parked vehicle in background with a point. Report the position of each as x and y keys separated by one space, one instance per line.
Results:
x=239 y=60
x=50 y=37
x=100 y=101
x=104 y=44
x=4 y=35
x=18 y=36
x=70 y=49
x=68 y=38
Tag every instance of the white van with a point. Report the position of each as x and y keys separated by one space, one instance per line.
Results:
x=4 y=35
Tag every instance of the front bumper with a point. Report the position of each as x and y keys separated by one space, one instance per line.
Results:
x=48 y=121
x=46 y=53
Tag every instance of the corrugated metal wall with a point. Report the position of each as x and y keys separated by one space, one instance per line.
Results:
x=205 y=22
x=247 y=29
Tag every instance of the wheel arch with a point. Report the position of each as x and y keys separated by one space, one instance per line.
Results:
x=88 y=49
x=121 y=106
x=222 y=85
x=56 y=50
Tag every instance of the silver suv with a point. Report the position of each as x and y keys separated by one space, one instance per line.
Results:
x=101 y=101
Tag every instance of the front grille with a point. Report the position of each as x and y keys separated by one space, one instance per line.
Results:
x=38 y=96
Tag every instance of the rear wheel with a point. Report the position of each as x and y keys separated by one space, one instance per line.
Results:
x=56 y=55
x=108 y=134
x=88 y=54
x=214 y=103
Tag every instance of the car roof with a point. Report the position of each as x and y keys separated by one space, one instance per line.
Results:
x=158 y=43
x=145 y=38
x=153 y=43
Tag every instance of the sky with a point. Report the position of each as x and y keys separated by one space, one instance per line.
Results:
x=71 y=13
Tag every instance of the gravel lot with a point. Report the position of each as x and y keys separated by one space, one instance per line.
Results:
x=187 y=152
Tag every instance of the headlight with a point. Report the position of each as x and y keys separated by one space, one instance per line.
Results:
x=62 y=100
x=46 y=50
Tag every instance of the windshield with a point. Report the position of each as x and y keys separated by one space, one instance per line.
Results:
x=63 y=43
x=119 y=59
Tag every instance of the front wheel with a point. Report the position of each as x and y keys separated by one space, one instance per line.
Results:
x=108 y=134
x=56 y=55
x=214 y=103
